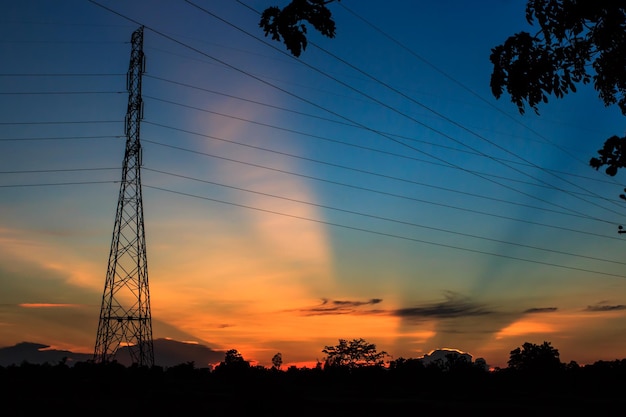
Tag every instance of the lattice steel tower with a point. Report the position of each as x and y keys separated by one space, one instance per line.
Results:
x=125 y=319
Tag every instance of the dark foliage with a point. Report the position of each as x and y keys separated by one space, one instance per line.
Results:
x=612 y=154
x=289 y=24
x=578 y=41
x=94 y=389
x=277 y=361
x=352 y=354
x=535 y=358
x=233 y=363
x=572 y=34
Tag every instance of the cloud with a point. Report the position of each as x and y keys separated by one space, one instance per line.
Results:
x=48 y=305
x=600 y=307
x=452 y=307
x=332 y=307
x=357 y=303
x=540 y=310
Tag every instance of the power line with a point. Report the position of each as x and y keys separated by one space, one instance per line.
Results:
x=338 y=225
x=349 y=145
x=394 y=110
x=434 y=144
x=382 y=192
x=395 y=90
x=58 y=184
x=300 y=113
x=244 y=72
x=352 y=145
x=250 y=101
x=91 y=25
x=59 y=123
x=387 y=219
x=391 y=235
x=62 y=138
x=59 y=92
x=320 y=106
x=309 y=177
x=400 y=179
x=61 y=42
x=39 y=171
x=465 y=88
x=75 y=74
x=459 y=83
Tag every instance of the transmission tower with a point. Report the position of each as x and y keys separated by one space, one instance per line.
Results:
x=125 y=319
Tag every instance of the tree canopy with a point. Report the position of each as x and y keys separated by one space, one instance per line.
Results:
x=289 y=23
x=578 y=41
x=532 y=357
x=277 y=361
x=353 y=354
x=573 y=38
x=233 y=361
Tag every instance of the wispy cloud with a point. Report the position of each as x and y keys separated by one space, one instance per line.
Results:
x=536 y=310
x=344 y=303
x=330 y=307
x=48 y=305
x=605 y=307
x=453 y=307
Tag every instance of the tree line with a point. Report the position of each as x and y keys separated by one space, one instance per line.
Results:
x=354 y=378
x=357 y=356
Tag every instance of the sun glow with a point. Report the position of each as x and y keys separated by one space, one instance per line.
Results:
x=245 y=275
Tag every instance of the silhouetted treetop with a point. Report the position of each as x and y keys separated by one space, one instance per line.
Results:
x=288 y=24
x=233 y=361
x=534 y=358
x=233 y=357
x=577 y=41
x=574 y=37
x=353 y=354
x=277 y=361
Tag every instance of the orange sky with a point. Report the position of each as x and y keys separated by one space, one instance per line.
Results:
x=290 y=202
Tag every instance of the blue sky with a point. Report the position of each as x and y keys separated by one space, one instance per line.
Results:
x=371 y=188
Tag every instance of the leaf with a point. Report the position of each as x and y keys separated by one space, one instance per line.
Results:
x=289 y=23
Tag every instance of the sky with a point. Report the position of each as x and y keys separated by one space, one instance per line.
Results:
x=371 y=188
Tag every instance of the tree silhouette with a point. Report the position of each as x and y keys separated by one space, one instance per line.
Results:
x=574 y=38
x=353 y=354
x=590 y=390
x=277 y=361
x=288 y=23
x=233 y=357
x=535 y=358
x=233 y=362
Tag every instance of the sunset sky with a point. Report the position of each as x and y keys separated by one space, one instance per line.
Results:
x=372 y=188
